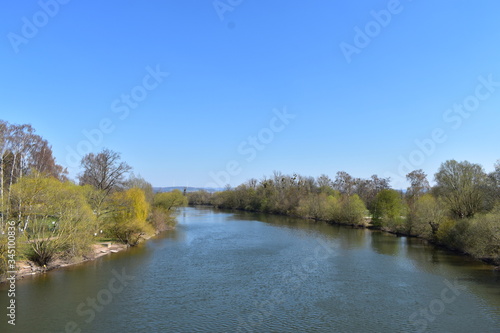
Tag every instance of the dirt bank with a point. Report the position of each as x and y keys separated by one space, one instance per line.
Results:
x=27 y=268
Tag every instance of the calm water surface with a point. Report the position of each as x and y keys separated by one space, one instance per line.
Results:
x=242 y=272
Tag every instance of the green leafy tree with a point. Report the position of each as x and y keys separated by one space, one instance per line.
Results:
x=388 y=209
x=483 y=237
x=462 y=186
x=201 y=197
x=353 y=210
x=429 y=214
x=170 y=200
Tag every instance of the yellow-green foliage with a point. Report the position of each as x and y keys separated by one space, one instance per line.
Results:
x=478 y=236
x=388 y=209
x=314 y=207
x=3 y=254
x=484 y=236
x=445 y=231
x=128 y=220
x=170 y=200
x=334 y=207
x=353 y=210
x=427 y=214
x=139 y=207
x=54 y=215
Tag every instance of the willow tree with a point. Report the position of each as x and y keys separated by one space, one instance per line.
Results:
x=127 y=220
x=55 y=216
x=134 y=181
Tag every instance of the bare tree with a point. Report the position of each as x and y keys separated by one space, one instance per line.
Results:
x=21 y=151
x=493 y=188
x=494 y=178
x=419 y=185
x=4 y=129
x=20 y=144
x=344 y=183
x=252 y=183
x=367 y=189
x=324 y=182
x=104 y=171
x=43 y=160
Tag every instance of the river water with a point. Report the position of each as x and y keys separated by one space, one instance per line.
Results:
x=245 y=272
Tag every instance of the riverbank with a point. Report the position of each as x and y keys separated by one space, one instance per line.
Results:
x=490 y=261
x=367 y=224
x=27 y=268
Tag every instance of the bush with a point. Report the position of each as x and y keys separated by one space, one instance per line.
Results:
x=480 y=236
x=161 y=220
x=314 y=206
x=388 y=209
x=446 y=232
x=426 y=216
x=353 y=210
x=3 y=254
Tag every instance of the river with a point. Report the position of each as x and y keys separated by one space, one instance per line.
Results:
x=244 y=272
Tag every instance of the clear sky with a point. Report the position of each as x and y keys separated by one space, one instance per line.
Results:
x=255 y=86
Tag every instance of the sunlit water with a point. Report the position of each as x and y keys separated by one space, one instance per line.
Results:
x=242 y=272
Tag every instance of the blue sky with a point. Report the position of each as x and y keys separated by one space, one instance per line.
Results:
x=232 y=70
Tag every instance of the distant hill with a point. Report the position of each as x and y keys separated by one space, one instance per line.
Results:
x=188 y=189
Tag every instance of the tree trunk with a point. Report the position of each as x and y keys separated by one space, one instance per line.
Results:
x=10 y=184
x=2 y=202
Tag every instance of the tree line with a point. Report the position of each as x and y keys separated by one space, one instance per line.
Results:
x=56 y=217
x=461 y=211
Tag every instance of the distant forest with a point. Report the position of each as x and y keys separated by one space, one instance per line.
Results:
x=461 y=212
